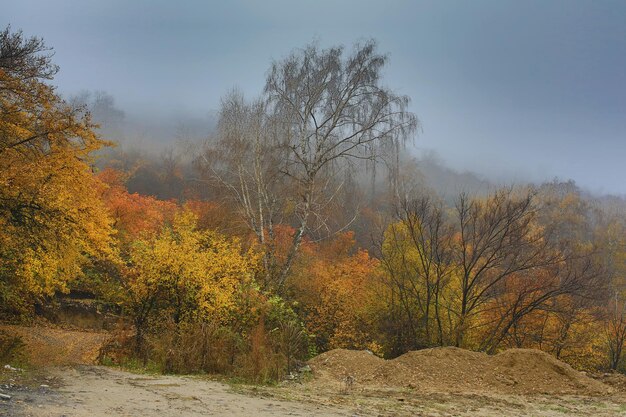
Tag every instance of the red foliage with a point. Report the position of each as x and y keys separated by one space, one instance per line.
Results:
x=133 y=214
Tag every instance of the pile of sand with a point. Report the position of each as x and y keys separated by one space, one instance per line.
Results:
x=615 y=380
x=516 y=371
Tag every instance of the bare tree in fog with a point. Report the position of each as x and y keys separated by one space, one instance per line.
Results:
x=104 y=112
x=320 y=112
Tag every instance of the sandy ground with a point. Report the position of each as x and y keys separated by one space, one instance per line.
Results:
x=90 y=391
x=409 y=402
x=86 y=391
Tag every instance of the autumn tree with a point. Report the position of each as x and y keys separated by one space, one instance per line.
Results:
x=319 y=113
x=184 y=274
x=244 y=162
x=509 y=258
x=612 y=233
x=416 y=255
x=478 y=271
x=337 y=295
x=616 y=332
x=569 y=324
x=133 y=214
x=539 y=289
x=496 y=239
x=51 y=219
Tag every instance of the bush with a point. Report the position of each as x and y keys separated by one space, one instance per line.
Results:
x=195 y=347
x=263 y=352
x=11 y=349
x=261 y=362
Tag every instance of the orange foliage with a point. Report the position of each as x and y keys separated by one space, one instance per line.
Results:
x=214 y=216
x=133 y=214
x=336 y=290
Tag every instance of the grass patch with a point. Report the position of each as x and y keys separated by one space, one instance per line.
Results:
x=136 y=366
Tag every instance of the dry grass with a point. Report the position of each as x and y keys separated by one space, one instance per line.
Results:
x=54 y=346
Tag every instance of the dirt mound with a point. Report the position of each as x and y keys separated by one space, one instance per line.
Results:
x=50 y=346
x=534 y=371
x=458 y=369
x=516 y=371
x=338 y=364
x=615 y=380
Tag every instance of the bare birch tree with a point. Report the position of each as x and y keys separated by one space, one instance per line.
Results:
x=320 y=112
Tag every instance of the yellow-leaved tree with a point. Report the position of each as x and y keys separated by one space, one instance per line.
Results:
x=51 y=218
x=185 y=274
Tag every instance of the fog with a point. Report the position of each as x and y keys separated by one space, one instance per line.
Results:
x=511 y=91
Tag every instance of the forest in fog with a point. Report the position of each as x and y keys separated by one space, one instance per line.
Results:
x=290 y=223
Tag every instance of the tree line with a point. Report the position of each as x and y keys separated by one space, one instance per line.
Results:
x=298 y=226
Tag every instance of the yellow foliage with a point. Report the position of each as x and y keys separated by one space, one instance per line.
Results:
x=51 y=218
x=188 y=273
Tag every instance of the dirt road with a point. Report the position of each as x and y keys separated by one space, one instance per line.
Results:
x=90 y=391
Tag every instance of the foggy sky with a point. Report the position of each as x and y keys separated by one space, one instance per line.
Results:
x=508 y=89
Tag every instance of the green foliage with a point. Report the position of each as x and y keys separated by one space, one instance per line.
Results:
x=279 y=313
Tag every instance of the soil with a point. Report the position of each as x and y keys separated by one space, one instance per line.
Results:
x=55 y=346
x=515 y=371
